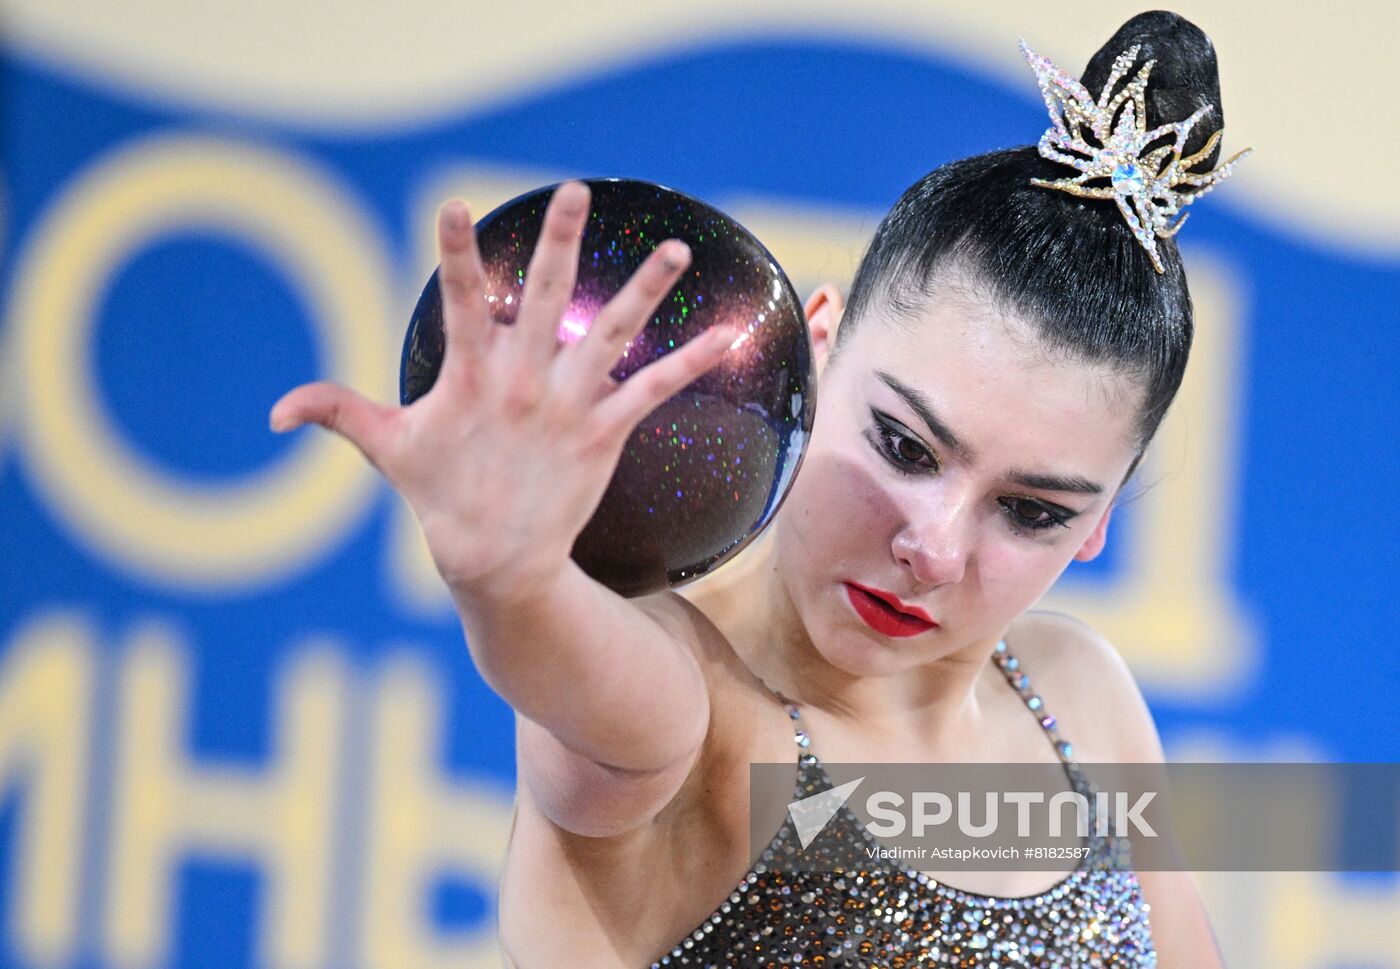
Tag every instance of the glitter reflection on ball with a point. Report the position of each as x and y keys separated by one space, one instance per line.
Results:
x=702 y=474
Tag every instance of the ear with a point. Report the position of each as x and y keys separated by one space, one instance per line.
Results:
x=1093 y=545
x=824 y=309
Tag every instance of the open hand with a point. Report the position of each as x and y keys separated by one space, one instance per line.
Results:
x=508 y=455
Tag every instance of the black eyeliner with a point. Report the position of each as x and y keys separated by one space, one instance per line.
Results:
x=1059 y=515
x=886 y=428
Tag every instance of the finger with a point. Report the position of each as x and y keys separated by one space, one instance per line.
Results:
x=362 y=422
x=549 y=280
x=627 y=313
x=648 y=388
x=462 y=284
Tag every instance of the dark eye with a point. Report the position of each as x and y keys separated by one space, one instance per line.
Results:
x=900 y=449
x=1033 y=514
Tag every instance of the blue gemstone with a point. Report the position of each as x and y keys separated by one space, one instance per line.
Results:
x=1127 y=179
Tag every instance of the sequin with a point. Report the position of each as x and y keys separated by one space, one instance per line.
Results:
x=849 y=917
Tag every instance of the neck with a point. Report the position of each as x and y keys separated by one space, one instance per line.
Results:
x=751 y=603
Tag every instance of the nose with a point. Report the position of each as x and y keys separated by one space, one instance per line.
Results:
x=933 y=549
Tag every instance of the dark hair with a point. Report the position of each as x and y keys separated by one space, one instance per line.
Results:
x=1071 y=266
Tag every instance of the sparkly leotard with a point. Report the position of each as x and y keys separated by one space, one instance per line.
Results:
x=862 y=918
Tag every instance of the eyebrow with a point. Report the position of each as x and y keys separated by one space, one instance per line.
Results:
x=1054 y=482
x=919 y=404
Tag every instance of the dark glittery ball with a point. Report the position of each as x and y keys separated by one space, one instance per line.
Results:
x=702 y=474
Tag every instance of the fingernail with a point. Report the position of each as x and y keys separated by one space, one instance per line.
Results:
x=279 y=421
x=726 y=337
x=677 y=255
x=456 y=215
x=573 y=196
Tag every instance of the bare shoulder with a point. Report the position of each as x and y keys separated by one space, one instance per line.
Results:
x=1087 y=683
x=689 y=619
x=686 y=621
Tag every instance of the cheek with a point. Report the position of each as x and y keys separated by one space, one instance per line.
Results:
x=839 y=507
x=1015 y=571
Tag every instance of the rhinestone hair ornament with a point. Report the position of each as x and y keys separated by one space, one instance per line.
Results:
x=1150 y=187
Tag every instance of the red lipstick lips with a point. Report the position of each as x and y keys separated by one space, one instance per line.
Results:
x=884 y=613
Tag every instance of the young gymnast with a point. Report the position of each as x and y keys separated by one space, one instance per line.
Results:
x=1012 y=340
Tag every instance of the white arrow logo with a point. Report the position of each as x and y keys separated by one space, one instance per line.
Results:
x=810 y=814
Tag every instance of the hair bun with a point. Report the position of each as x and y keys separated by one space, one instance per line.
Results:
x=1184 y=78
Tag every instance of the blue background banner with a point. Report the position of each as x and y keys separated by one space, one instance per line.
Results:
x=238 y=726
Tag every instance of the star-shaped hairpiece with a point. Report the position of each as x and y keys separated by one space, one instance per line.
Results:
x=1107 y=138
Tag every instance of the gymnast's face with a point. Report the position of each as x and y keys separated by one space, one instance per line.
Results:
x=956 y=463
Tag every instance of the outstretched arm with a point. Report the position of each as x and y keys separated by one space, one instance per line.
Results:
x=503 y=462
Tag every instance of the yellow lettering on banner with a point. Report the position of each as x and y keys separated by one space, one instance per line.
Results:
x=142 y=517
x=9 y=396
x=47 y=674
x=281 y=816
x=9 y=392
x=421 y=826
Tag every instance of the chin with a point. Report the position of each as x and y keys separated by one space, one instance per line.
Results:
x=857 y=653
